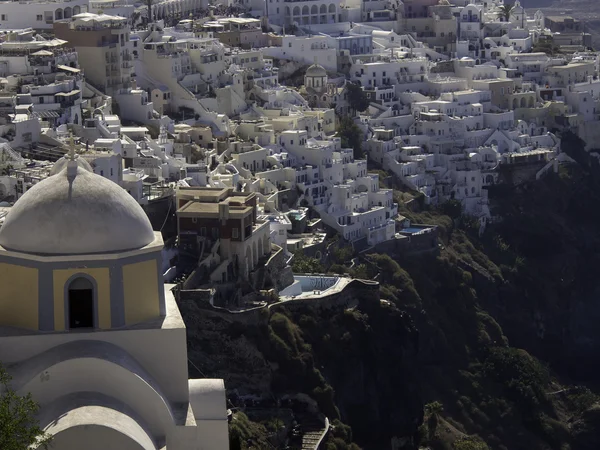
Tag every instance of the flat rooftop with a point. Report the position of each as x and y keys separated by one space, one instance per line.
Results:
x=211 y=210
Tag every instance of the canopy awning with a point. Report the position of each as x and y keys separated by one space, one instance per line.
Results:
x=42 y=53
x=68 y=94
x=68 y=69
x=46 y=115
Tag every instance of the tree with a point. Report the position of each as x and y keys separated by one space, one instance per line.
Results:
x=433 y=410
x=19 y=429
x=357 y=98
x=351 y=135
x=306 y=264
x=505 y=12
x=135 y=16
x=149 y=5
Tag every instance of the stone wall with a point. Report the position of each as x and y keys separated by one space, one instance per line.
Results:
x=443 y=67
x=197 y=301
x=403 y=244
x=280 y=275
x=516 y=174
x=354 y=292
x=287 y=197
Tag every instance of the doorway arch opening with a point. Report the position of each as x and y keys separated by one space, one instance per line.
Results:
x=81 y=310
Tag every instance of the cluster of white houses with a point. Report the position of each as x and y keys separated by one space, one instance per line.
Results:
x=200 y=112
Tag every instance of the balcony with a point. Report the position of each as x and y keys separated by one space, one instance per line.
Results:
x=388 y=223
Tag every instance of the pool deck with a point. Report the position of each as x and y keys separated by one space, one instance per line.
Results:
x=337 y=287
x=415 y=230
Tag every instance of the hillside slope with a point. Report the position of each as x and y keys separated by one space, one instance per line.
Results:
x=485 y=344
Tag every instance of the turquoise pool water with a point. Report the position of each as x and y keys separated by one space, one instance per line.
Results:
x=413 y=230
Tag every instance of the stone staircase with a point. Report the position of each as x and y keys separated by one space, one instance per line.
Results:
x=312 y=434
x=309 y=433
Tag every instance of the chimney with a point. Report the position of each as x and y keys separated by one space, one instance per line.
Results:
x=223 y=212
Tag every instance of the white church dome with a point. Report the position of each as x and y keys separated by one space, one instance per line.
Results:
x=83 y=214
x=62 y=163
x=316 y=70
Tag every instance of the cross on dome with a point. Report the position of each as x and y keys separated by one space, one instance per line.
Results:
x=72 y=148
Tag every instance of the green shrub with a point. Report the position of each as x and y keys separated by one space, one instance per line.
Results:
x=521 y=375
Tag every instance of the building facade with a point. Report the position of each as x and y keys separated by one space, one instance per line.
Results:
x=88 y=327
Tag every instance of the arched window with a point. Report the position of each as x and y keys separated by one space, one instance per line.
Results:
x=80 y=308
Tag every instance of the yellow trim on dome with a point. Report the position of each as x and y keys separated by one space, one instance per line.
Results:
x=140 y=284
x=19 y=304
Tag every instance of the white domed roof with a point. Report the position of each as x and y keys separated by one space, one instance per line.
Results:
x=84 y=214
x=316 y=70
x=62 y=163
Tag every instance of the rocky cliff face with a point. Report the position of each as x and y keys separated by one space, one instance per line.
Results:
x=547 y=299
x=450 y=358
x=359 y=365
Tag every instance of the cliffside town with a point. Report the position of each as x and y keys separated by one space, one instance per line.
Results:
x=280 y=148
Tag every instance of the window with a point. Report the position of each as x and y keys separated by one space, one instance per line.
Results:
x=111 y=171
x=81 y=303
x=39 y=17
x=194 y=220
x=3 y=17
x=290 y=45
x=235 y=233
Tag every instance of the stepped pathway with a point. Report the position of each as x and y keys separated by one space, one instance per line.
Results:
x=311 y=433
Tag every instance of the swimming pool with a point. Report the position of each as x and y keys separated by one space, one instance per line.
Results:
x=413 y=230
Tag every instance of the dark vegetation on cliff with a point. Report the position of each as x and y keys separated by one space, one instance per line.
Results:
x=490 y=343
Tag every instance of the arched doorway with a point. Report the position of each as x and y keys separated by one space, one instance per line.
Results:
x=81 y=303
